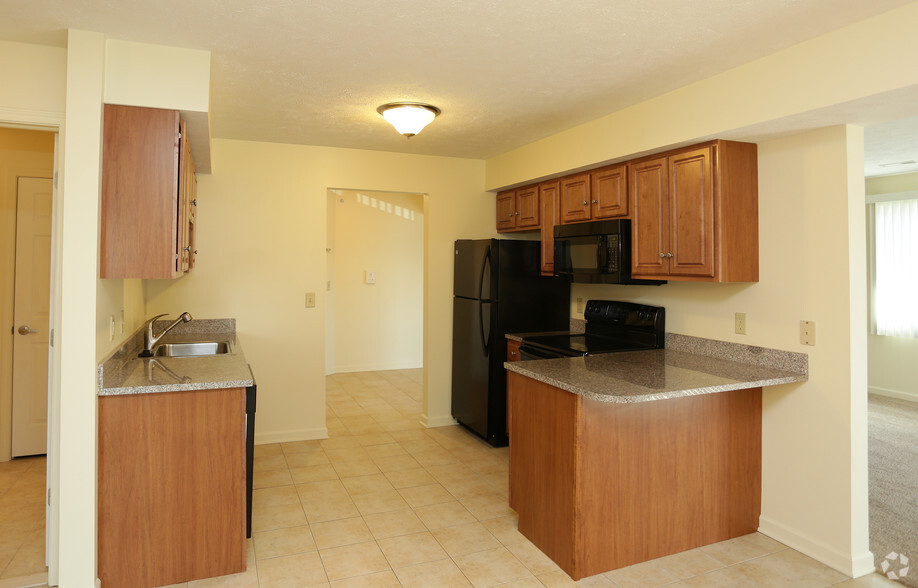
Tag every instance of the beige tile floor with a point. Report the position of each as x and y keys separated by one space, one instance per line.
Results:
x=386 y=502
x=22 y=519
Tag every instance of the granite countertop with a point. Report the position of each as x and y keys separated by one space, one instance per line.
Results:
x=122 y=372
x=674 y=372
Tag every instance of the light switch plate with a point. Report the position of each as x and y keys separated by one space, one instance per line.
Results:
x=580 y=305
x=808 y=332
x=310 y=299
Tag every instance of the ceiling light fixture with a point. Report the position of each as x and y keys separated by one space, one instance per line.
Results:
x=408 y=118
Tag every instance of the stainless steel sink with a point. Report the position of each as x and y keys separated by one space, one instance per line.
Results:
x=196 y=349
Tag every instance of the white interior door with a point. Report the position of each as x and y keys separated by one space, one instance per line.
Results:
x=31 y=314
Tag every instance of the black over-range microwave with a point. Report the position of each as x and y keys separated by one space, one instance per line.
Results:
x=597 y=252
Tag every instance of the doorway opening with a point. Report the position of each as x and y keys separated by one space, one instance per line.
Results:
x=375 y=294
x=26 y=211
x=375 y=287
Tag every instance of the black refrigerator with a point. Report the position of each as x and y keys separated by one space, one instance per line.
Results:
x=497 y=289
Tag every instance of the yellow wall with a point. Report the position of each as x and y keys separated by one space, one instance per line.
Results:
x=34 y=82
x=262 y=238
x=376 y=326
x=892 y=368
x=156 y=76
x=22 y=153
x=862 y=60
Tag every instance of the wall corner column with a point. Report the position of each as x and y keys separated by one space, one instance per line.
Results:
x=82 y=136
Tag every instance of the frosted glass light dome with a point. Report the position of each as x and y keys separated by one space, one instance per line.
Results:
x=408 y=118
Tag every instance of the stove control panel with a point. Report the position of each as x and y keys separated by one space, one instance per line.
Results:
x=612 y=312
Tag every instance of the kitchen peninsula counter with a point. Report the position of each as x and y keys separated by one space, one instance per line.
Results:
x=621 y=458
x=659 y=374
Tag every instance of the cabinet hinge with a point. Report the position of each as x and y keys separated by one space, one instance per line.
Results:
x=55 y=180
x=51 y=338
x=49 y=496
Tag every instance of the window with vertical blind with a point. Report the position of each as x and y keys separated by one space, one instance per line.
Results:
x=894 y=275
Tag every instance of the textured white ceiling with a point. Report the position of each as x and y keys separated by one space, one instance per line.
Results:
x=504 y=72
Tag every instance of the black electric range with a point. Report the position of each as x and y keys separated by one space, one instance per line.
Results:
x=611 y=326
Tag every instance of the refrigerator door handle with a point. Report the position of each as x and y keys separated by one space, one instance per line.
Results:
x=485 y=265
x=485 y=339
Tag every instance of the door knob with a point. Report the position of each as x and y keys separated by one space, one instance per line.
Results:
x=25 y=330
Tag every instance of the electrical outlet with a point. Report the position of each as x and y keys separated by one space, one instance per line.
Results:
x=369 y=277
x=580 y=305
x=310 y=299
x=739 y=323
x=808 y=332
x=111 y=327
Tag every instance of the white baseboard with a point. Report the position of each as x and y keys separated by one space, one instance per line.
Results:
x=376 y=367
x=289 y=436
x=853 y=565
x=440 y=421
x=899 y=394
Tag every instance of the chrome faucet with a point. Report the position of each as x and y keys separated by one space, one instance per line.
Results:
x=149 y=339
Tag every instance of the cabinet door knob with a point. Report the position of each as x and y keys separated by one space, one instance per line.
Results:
x=513 y=353
x=516 y=213
x=596 y=202
x=669 y=255
x=585 y=203
x=511 y=215
x=662 y=255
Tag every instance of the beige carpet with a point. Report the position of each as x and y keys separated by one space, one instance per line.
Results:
x=893 y=451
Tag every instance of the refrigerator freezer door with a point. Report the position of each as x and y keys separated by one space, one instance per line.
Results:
x=472 y=269
x=471 y=363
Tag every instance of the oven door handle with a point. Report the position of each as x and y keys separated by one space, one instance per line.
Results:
x=528 y=352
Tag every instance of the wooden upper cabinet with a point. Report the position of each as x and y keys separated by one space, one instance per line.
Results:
x=609 y=192
x=188 y=204
x=548 y=196
x=527 y=207
x=519 y=209
x=649 y=190
x=145 y=181
x=574 y=198
x=599 y=194
x=691 y=226
x=695 y=214
x=506 y=210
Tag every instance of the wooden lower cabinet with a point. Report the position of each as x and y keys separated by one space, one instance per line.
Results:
x=171 y=487
x=599 y=486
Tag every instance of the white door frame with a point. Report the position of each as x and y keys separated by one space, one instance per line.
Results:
x=53 y=122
